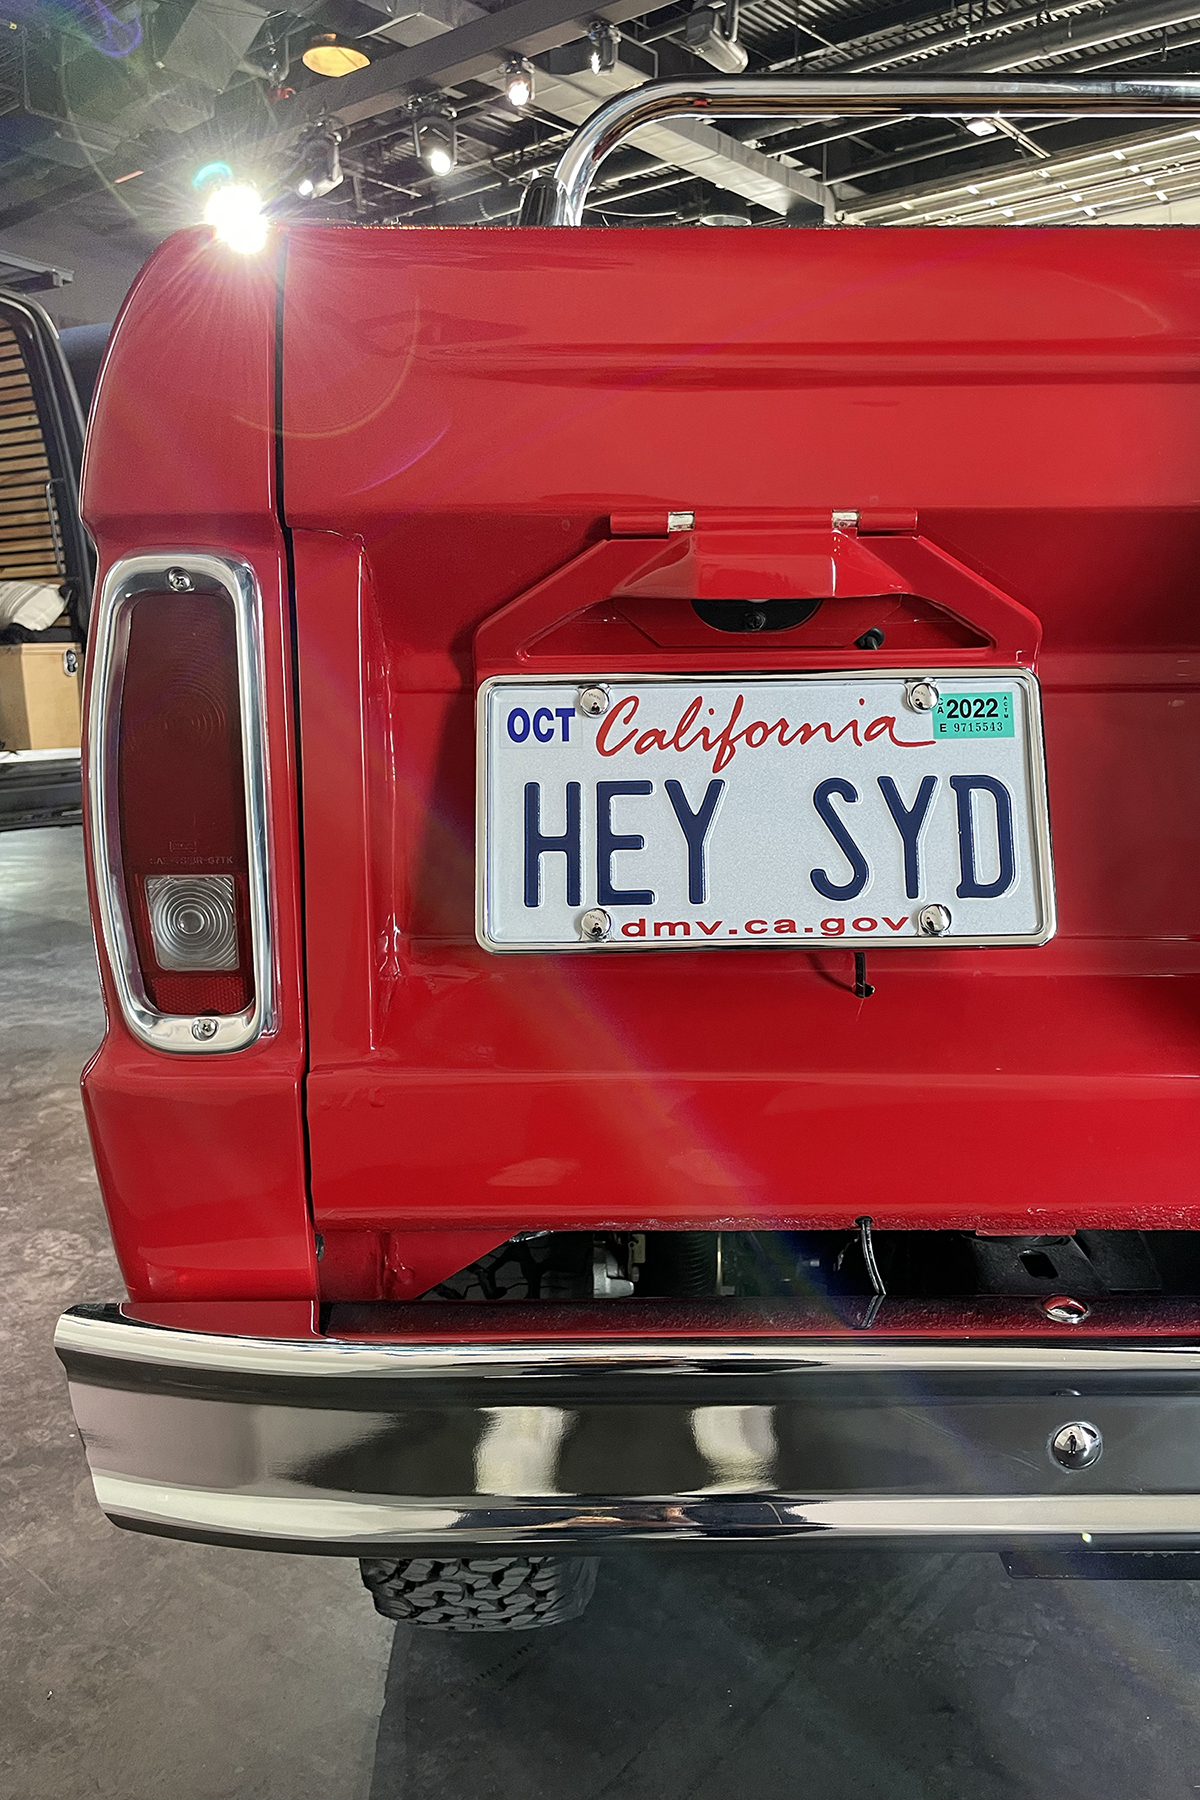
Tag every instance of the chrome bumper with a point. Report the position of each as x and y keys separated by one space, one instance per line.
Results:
x=354 y=1446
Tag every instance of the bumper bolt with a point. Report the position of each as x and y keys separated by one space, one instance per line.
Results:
x=595 y=926
x=1065 y=1310
x=922 y=696
x=1077 y=1445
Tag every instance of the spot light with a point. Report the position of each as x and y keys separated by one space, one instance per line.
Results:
x=518 y=81
x=320 y=161
x=435 y=139
x=328 y=54
x=235 y=213
x=982 y=127
x=604 y=40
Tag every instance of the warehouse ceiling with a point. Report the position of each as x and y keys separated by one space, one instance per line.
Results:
x=139 y=107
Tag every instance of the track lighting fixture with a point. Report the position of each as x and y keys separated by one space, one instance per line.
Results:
x=320 y=162
x=435 y=138
x=604 y=39
x=518 y=81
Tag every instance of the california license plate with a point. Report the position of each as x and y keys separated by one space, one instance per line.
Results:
x=678 y=813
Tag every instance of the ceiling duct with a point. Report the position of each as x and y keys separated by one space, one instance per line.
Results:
x=176 y=108
x=211 y=42
x=416 y=21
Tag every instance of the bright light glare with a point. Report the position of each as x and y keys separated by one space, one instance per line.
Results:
x=982 y=127
x=305 y=187
x=236 y=215
x=519 y=88
x=439 y=160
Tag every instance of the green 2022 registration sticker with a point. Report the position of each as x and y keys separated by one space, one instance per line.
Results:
x=973 y=715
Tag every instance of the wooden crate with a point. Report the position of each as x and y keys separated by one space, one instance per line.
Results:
x=39 y=696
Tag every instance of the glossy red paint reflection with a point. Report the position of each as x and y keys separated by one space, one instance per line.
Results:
x=513 y=417
x=482 y=435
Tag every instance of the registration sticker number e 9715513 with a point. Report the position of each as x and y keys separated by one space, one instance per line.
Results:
x=687 y=812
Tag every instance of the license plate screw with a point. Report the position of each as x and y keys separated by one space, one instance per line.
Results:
x=1077 y=1445
x=922 y=696
x=593 y=701
x=595 y=926
x=933 y=921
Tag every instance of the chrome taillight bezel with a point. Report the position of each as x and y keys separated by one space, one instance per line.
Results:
x=178 y=571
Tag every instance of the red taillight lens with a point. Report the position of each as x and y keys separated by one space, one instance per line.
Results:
x=181 y=803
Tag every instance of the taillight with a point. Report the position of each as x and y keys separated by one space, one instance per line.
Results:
x=177 y=800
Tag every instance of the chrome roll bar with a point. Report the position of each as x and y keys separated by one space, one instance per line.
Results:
x=558 y=199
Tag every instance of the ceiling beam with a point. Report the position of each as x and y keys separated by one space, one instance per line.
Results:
x=1035 y=185
x=1126 y=19
x=469 y=53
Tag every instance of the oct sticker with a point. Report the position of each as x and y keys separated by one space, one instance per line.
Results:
x=973 y=716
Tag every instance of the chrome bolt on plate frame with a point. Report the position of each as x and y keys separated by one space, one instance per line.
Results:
x=934 y=920
x=595 y=926
x=593 y=701
x=922 y=696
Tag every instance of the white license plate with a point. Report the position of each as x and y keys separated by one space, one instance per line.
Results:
x=767 y=811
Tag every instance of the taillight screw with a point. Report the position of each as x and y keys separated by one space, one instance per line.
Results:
x=204 y=1028
x=179 y=582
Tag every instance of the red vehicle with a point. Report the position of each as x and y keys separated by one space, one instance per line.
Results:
x=600 y=1046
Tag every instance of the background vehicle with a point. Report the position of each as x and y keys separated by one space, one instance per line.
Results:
x=481 y=1204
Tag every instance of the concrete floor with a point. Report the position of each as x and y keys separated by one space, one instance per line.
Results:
x=146 y=1670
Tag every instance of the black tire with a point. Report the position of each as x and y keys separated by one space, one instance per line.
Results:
x=555 y=1266
x=481 y=1593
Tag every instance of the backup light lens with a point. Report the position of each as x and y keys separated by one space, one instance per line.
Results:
x=193 y=921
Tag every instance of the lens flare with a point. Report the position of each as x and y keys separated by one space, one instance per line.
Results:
x=90 y=20
x=235 y=213
x=213 y=171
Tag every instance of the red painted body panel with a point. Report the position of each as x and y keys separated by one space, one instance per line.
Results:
x=201 y=1160
x=468 y=412
x=482 y=434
